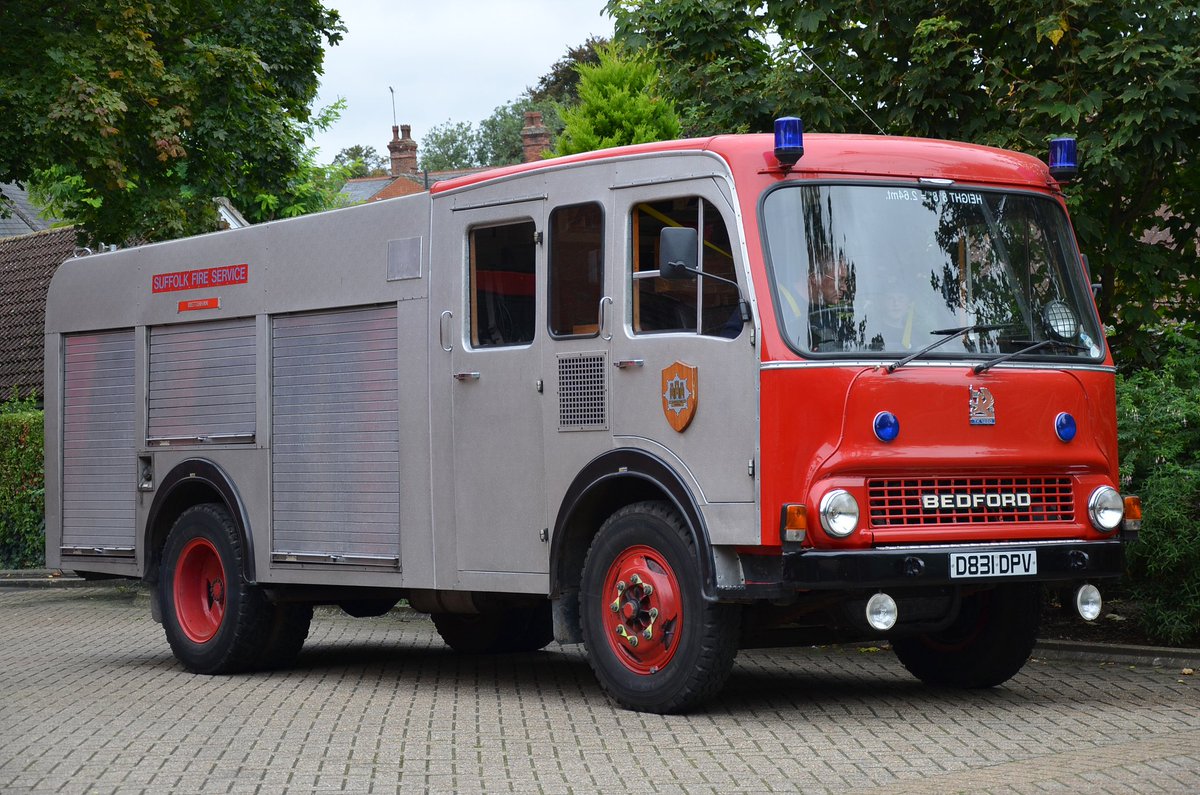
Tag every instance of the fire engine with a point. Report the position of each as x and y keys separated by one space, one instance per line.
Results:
x=668 y=400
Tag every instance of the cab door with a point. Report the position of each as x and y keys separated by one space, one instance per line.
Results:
x=689 y=392
x=490 y=286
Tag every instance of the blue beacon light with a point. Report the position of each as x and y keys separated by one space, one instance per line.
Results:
x=1064 y=164
x=886 y=426
x=789 y=140
x=1064 y=427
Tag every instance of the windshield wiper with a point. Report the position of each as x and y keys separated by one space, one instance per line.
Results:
x=948 y=334
x=1033 y=346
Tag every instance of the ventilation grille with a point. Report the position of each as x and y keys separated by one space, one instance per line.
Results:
x=582 y=393
x=909 y=502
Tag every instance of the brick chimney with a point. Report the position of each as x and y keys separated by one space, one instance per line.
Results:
x=535 y=138
x=403 y=150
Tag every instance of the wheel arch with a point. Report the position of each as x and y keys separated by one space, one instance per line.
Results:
x=192 y=482
x=609 y=482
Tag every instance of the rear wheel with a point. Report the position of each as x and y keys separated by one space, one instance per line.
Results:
x=987 y=644
x=508 y=631
x=215 y=621
x=652 y=640
x=289 y=629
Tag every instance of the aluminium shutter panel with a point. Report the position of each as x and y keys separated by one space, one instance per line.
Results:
x=335 y=441
x=98 y=458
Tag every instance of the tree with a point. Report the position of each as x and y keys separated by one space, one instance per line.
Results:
x=136 y=113
x=449 y=146
x=362 y=161
x=560 y=86
x=618 y=104
x=1122 y=77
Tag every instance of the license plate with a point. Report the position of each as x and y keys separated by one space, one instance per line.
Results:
x=1013 y=563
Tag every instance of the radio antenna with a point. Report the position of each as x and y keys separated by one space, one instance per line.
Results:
x=839 y=88
x=393 y=93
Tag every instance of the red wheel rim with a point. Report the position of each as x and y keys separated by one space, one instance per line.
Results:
x=199 y=590
x=642 y=610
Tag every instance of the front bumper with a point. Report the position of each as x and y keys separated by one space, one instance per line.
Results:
x=769 y=577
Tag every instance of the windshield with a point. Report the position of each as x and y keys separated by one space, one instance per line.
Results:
x=883 y=269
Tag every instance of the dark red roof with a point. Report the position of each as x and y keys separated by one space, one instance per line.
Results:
x=26 y=265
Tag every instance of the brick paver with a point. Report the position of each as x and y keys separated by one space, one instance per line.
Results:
x=91 y=700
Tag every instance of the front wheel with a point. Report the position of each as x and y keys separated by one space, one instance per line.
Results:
x=652 y=640
x=988 y=643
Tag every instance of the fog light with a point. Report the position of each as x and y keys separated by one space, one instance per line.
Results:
x=1106 y=509
x=839 y=513
x=1088 y=602
x=882 y=612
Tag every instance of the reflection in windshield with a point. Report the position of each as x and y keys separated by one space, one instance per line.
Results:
x=876 y=269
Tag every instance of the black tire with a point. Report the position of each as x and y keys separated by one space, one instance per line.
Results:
x=988 y=643
x=214 y=620
x=367 y=608
x=510 y=631
x=289 y=630
x=645 y=664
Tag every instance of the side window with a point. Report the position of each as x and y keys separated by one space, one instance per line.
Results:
x=502 y=284
x=576 y=269
x=704 y=306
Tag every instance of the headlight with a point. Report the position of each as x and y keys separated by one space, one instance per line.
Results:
x=839 y=513
x=1105 y=507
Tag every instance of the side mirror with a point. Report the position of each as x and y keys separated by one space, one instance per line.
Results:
x=677 y=253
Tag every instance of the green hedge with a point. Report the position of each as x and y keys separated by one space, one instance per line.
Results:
x=1158 y=418
x=22 y=486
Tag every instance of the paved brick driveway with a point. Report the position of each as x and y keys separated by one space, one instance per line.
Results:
x=91 y=700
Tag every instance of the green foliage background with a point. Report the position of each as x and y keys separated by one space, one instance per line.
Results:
x=22 y=489
x=129 y=117
x=619 y=104
x=1159 y=434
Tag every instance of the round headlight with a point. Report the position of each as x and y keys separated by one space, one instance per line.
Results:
x=887 y=426
x=839 y=513
x=1106 y=509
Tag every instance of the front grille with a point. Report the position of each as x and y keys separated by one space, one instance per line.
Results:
x=936 y=501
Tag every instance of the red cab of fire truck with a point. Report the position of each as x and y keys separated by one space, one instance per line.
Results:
x=936 y=411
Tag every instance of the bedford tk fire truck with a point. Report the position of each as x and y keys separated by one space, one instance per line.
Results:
x=668 y=400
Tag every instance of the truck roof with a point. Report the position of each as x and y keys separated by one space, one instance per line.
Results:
x=825 y=155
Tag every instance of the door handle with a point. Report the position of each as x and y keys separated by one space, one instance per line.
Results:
x=600 y=324
x=442 y=328
x=466 y=376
